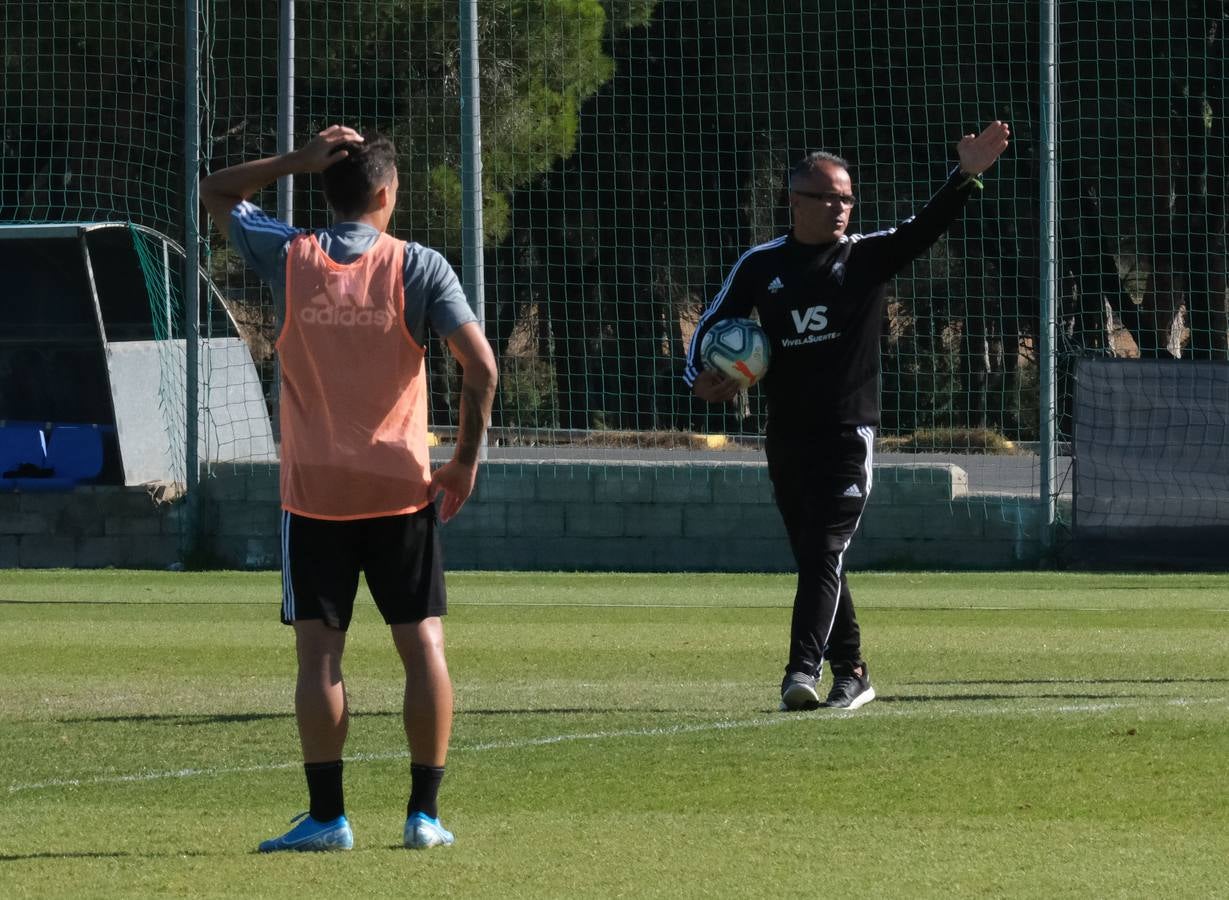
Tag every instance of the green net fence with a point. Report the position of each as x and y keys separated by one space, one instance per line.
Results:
x=1143 y=181
x=1142 y=297
x=633 y=149
x=93 y=109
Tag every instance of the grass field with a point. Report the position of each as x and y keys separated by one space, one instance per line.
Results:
x=1036 y=735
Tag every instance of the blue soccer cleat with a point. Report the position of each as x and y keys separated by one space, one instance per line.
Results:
x=422 y=832
x=310 y=835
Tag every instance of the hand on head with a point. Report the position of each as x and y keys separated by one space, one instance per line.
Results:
x=978 y=152
x=327 y=148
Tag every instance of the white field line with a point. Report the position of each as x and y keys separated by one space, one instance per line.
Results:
x=782 y=604
x=878 y=607
x=879 y=711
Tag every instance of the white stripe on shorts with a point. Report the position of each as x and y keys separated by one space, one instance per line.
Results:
x=287 y=583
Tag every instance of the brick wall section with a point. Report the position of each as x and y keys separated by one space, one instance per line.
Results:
x=89 y=528
x=550 y=516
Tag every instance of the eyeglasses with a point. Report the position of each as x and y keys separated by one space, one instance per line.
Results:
x=829 y=197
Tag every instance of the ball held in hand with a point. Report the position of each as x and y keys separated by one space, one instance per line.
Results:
x=738 y=348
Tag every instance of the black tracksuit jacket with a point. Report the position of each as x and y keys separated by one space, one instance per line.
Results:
x=823 y=308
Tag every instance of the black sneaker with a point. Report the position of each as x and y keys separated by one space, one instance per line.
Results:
x=798 y=692
x=849 y=690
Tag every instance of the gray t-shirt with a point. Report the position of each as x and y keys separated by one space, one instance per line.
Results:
x=433 y=294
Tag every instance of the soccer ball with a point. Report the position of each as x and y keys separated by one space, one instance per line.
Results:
x=737 y=347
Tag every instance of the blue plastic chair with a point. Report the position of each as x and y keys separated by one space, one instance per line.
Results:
x=20 y=446
x=75 y=452
x=74 y=455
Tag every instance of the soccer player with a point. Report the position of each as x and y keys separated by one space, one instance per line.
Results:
x=820 y=294
x=357 y=491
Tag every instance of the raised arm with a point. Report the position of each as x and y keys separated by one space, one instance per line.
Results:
x=978 y=152
x=225 y=189
x=882 y=254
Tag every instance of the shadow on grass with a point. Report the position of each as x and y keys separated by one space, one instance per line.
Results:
x=959 y=698
x=566 y=711
x=81 y=854
x=186 y=719
x=1071 y=681
x=180 y=719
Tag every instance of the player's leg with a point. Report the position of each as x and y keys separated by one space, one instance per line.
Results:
x=319 y=581
x=405 y=573
x=427 y=707
x=320 y=706
x=427 y=712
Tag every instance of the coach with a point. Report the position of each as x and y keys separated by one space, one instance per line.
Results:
x=820 y=296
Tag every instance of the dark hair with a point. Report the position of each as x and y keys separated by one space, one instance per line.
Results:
x=350 y=183
x=813 y=161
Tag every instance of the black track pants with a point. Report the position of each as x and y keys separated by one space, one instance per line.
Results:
x=820 y=487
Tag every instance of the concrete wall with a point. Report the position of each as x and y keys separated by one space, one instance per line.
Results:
x=88 y=528
x=550 y=516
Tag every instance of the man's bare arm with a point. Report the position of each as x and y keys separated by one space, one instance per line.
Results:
x=225 y=189
x=479 y=376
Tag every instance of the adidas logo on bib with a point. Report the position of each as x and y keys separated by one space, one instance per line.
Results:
x=852 y=491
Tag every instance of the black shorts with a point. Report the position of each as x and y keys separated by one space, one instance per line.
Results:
x=399 y=555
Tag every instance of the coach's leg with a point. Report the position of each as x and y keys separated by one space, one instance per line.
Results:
x=845 y=642
x=815 y=601
x=788 y=470
x=791 y=471
x=851 y=686
x=830 y=520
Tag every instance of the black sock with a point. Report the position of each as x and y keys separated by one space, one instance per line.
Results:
x=324 y=790
x=425 y=789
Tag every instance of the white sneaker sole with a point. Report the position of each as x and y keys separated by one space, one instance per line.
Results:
x=861 y=700
x=425 y=840
x=798 y=698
